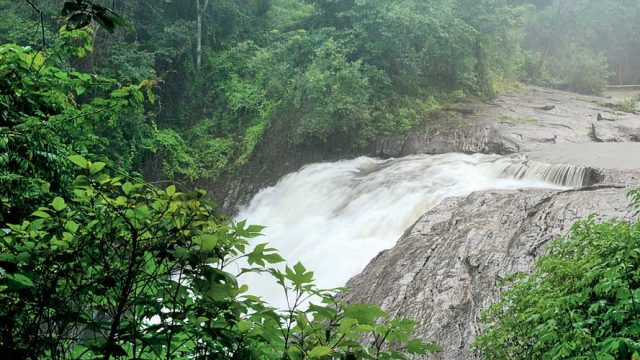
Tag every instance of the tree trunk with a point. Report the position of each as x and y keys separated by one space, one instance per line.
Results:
x=200 y=14
x=543 y=58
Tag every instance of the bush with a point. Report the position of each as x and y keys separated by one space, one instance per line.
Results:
x=177 y=161
x=123 y=269
x=333 y=96
x=582 y=300
x=578 y=69
x=628 y=105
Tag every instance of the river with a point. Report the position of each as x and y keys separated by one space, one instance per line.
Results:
x=335 y=217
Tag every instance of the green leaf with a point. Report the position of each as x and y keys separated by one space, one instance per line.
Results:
x=79 y=160
x=171 y=190
x=319 y=351
x=41 y=214
x=96 y=167
x=244 y=326
x=36 y=224
x=347 y=324
x=72 y=226
x=127 y=187
x=207 y=242
x=58 y=204
x=364 y=313
x=417 y=346
x=20 y=281
x=295 y=353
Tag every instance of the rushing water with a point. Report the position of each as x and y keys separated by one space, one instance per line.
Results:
x=335 y=217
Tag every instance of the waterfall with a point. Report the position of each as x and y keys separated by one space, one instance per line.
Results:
x=519 y=168
x=335 y=217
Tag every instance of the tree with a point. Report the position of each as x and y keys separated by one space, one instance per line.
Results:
x=97 y=263
x=200 y=11
x=43 y=118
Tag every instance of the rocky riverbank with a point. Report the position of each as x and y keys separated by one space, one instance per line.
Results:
x=444 y=271
x=523 y=119
x=520 y=120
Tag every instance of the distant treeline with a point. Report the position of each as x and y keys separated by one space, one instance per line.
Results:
x=332 y=72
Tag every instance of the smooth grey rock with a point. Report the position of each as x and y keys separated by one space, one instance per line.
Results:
x=444 y=271
x=521 y=120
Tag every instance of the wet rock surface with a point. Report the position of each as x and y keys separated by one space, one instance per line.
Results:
x=524 y=119
x=520 y=120
x=444 y=271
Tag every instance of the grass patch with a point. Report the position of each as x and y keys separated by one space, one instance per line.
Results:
x=507 y=119
x=627 y=105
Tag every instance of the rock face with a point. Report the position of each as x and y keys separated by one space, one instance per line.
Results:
x=517 y=121
x=520 y=120
x=445 y=269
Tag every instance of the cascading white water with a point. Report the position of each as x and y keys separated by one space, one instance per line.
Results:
x=519 y=168
x=335 y=217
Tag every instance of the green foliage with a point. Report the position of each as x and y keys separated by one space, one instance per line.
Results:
x=285 y=14
x=93 y=265
x=212 y=154
x=580 y=302
x=80 y=13
x=580 y=45
x=129 y=63
x=330 y=74
x=46 y=114
x=578 y=70
x=122 y=269
x=173 y=155
x=330 y=95
x=31 y=146
x=628 y=105
x=352 y=73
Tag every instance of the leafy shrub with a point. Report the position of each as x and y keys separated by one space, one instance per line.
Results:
x=176 y=158
x=628 y=105
x=43 y=119
x=582 y=300
x=332 y=95
x=578 y=69
x=123 y=269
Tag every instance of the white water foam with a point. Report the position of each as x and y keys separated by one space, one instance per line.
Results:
x=335 y=217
